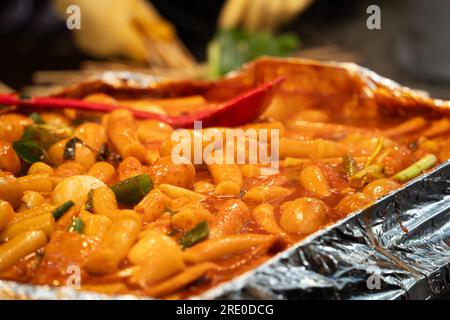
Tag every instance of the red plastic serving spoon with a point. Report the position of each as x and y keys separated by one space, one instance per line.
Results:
x=240 y=110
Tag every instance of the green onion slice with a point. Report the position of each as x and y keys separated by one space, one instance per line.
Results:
x=133 y=190
x=349 y=165
x=417 y=168
x=77 y=225
x=194 y=236
x=29 y=151
x=62 y=209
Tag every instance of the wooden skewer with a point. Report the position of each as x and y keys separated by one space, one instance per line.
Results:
x=153 y=56
x=93 y=68
x=165 y=52
x=43 y=90
x=61 y=77
x=329 y=52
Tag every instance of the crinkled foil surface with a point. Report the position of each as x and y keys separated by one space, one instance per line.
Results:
x=396 y=249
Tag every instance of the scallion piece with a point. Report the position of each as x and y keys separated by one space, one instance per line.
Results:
x=194 y=236
x=45 y=136
x=376 y=152
x=359 y=179
x=29 y=151
x=417 y=168
x=62 y=209
x=349 y=165
x=372 y=169
x=77 y=225
x=34 y=141
x=132 y=190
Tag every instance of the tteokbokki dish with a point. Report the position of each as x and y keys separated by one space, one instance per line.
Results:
x=102 y=192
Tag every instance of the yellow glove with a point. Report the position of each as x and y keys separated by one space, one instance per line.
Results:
x=127 y=28
x=257 y=15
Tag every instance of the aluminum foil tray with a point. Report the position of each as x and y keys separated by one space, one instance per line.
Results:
x=399 y=248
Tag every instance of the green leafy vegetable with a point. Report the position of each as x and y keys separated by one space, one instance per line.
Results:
x=233 y=47
x=194 y=236
x=417 y=168
x=132 y=190
x=35 y=140
x=42 y=135
x=77 y=225
x=62 y=209
x=70 y=148
x=29 y=151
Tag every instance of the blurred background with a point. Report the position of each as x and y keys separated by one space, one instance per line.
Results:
x=205 y=39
